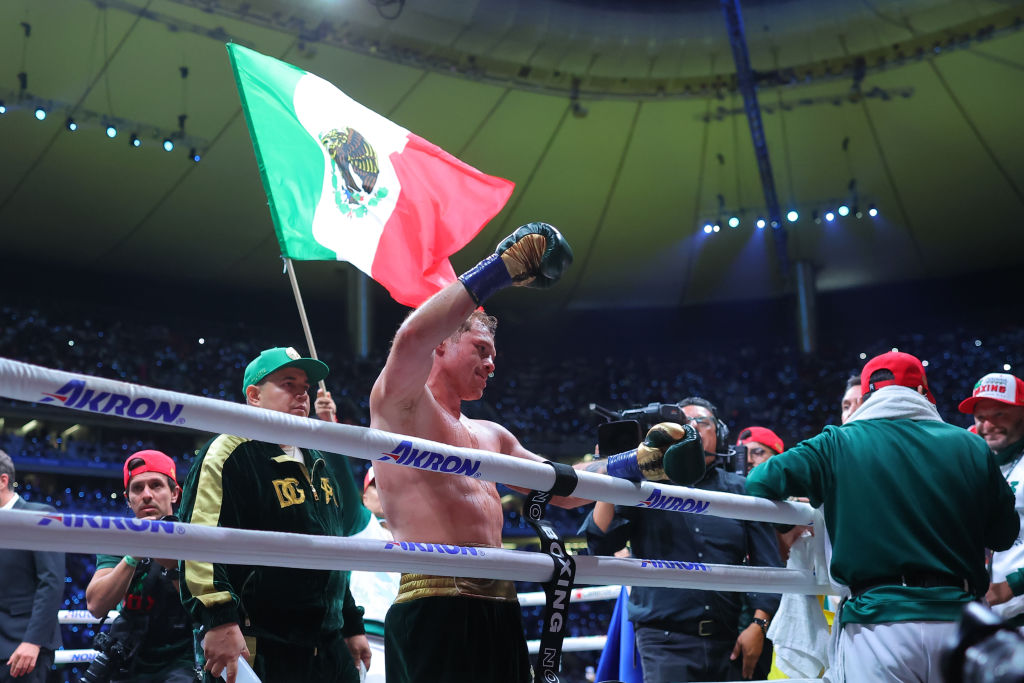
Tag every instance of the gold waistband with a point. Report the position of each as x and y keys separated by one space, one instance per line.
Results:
x=416 y=586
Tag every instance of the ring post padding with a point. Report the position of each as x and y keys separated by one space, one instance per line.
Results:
x=27 y=382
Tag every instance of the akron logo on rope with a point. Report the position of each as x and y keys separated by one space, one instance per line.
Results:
x=675 y=564
x=411 y=547
x=405 y=454
x=99 y=522
x=356 y=162
x=75 y=394
x=659 y=501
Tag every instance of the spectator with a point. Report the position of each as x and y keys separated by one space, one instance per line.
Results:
x=762 y=443
x=851 y=398
x=30 y=591
x=890 y=481
x=997 y=404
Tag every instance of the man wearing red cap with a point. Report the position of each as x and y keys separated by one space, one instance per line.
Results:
x=910 y=504
x=762 y=443
x=147 y=588
x=997 y=404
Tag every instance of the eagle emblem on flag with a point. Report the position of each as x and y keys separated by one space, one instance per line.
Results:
x=354 y=169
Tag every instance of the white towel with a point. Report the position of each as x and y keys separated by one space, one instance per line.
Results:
x=799 y=631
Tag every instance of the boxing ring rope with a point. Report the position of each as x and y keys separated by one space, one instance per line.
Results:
x=89 y=534
x=589 y=594
x=37 y=384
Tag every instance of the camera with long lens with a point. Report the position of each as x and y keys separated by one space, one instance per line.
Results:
x=116 y=648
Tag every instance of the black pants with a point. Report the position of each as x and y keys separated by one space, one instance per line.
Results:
x=326 y=661
x=669 y=657
x=43 y=664
x=456 y=640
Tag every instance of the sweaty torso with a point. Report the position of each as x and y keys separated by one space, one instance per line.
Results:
x=431 y=507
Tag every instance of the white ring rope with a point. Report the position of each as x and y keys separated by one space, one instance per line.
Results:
x=589 y=594
x=83 y=616
x=37 y=384
x=569 y=644
x=85 y=533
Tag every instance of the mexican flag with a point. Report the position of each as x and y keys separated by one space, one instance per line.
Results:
x=347 y=184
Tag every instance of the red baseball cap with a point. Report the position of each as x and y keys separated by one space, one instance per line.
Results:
x=368 y=479
x=761 y=435
x=999 y=386
x=154 y=461
x=906 y=369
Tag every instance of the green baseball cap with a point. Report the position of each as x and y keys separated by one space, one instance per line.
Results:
x=279 y=357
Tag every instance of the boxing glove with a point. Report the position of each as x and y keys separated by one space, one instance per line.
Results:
x=669 y=451
x=535 y=255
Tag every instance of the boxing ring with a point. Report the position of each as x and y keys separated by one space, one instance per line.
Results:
x=89 y=534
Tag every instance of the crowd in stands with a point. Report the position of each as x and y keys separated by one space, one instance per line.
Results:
x=542 y=398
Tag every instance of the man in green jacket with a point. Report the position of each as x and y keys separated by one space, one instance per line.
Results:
x=290 y=624
x=910 y=504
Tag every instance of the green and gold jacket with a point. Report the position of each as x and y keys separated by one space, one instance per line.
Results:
x=243 y=484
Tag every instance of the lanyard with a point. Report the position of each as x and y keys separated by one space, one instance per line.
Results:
x=558 y=589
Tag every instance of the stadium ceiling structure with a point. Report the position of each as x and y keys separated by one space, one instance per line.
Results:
x=619 y=121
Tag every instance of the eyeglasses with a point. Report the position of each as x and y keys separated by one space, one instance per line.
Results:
x=700 y=421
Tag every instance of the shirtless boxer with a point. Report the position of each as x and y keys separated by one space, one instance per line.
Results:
x=444 y=629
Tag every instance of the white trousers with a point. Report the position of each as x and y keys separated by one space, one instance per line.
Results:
x=903 y=651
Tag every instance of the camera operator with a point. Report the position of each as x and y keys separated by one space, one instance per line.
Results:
x=152 y=616
x=686 y=634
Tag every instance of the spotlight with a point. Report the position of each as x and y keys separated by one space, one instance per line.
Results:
x=71 y=125
x=717 y=227
x=134 y=141
x=872 y=211
x=111 y=132
x=707 y=228
x=168 y=145
x=844 y=210
x=792 y=216
x=1007 y=367
x=40 y=113
x=194 y=155
x=734 y=222
x=760 y=224
x=857 y=212
x=829 y=216
x=3 y=107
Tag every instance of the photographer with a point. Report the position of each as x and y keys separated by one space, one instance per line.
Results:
x=154 y=632
x=686 y=634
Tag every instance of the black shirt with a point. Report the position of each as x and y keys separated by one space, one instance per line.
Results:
x=668 y=535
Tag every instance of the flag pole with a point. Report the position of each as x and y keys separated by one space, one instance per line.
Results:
x=290 y=268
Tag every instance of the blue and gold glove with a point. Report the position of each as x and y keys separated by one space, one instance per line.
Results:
x=535 y=255
x=669 y=451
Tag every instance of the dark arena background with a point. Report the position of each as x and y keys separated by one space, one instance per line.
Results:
x=890 y=164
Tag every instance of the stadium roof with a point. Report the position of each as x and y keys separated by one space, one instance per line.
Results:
x=619 y=122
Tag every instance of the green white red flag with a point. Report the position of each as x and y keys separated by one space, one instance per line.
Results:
x=344 y=183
